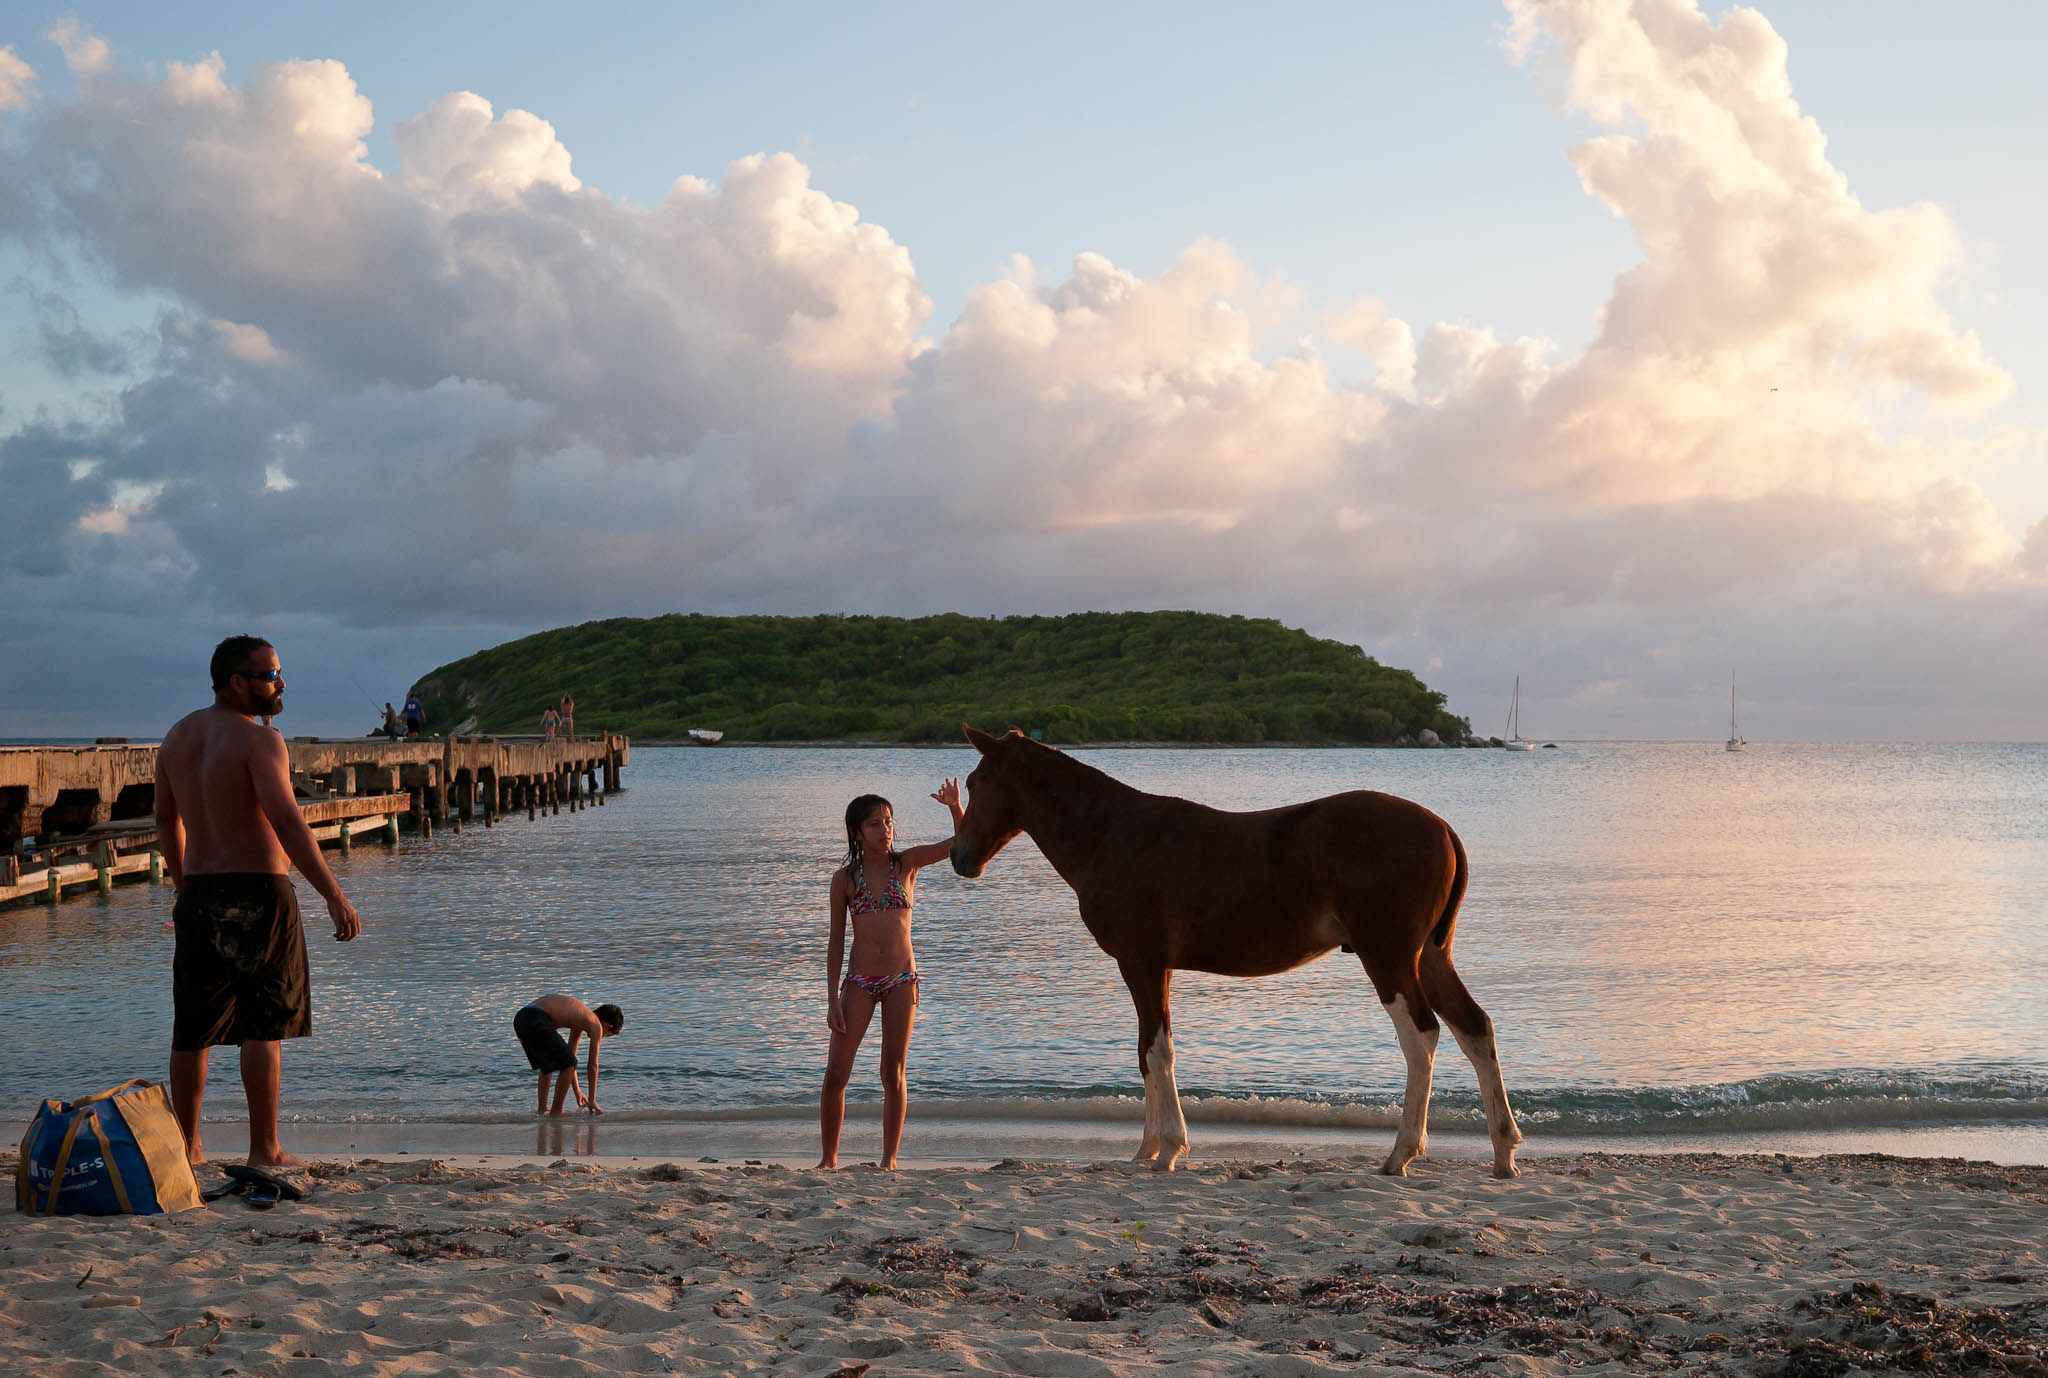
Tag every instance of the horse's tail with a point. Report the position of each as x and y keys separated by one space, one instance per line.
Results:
x=1440 y=936
x=1446 y=994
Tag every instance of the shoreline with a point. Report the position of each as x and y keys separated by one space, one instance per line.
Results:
x=1604 y=1263
x=936 y=1140
x=851 y=743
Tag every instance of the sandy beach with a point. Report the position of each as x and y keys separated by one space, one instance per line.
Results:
x=1756 y=1264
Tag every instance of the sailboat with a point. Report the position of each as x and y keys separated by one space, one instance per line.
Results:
x=1735 y=742
x=1514 y=741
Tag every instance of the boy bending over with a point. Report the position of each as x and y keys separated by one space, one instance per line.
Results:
x=548 y=1054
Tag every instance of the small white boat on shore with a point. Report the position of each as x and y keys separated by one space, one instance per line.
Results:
x=704 y=736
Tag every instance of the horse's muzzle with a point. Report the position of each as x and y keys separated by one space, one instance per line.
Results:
x=961 y=865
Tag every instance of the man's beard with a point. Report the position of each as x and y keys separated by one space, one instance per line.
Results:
x=267 y=702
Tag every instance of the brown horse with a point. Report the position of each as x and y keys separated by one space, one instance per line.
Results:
x=1165 y=884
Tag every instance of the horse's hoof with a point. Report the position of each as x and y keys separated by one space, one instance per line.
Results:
x=1394 y=1167
x=1505 y=1170
x=1166 y=1162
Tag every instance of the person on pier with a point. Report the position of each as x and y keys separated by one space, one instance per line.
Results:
x=537 y=1025
x=415 y=716
x=550 y=721
x=874 y=889
x=230 y=831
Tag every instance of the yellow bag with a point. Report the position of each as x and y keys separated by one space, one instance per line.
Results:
x=118 y=1153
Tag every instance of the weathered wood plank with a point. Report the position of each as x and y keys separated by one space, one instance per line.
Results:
x=365 y=815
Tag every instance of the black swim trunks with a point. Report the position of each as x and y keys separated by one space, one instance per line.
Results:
x=546 y=1050
x=239 y=973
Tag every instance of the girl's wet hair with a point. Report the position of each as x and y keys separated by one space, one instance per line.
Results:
x=857 y=813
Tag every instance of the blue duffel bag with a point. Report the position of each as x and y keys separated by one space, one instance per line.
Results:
x=118 y=1153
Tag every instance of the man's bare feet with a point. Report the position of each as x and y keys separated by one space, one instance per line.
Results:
x=828 y=1165
x=277 y=1159
x=196 y=1155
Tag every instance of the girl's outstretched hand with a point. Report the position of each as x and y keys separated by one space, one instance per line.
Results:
x=948 y=793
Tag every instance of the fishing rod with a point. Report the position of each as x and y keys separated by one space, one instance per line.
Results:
x=375 y=707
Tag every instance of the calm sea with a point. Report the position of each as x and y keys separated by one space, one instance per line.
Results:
x=1805 y=946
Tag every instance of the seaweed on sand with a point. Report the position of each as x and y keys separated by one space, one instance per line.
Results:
x=1870 y=1327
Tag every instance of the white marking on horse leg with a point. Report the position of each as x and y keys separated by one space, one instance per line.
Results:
x=1172 y=1140
x=1493 y=1094
x=1148 y=1144
x=1418 y=1046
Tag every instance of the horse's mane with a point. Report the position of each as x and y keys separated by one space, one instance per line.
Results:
x=1042 y=760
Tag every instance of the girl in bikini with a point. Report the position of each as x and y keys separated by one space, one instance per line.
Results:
x=874 y=890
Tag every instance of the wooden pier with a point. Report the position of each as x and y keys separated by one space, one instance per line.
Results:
x=90 y=809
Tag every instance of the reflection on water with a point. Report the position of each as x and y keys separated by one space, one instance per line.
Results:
x=562 y=1137
x=1639 y=916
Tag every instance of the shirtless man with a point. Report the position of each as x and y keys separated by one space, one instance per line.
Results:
x=231 y=831
x=547 y=1054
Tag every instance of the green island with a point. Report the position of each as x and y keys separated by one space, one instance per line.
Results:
x=1083 y=677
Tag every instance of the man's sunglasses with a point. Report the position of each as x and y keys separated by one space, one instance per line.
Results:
x=267 y=676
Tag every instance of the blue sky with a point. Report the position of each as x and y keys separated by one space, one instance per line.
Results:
x=1339 y=152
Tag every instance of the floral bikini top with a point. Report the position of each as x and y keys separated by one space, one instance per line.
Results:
x=892 y=895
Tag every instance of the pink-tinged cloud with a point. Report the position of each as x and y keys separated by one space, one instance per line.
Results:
x=85 y=53
x=17 y=80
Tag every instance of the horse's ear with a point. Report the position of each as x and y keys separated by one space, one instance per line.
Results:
x=981 y=740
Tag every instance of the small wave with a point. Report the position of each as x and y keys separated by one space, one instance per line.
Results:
x=1846 y=1100
x=1842 y=1100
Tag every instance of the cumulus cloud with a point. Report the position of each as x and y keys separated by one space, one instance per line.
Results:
x=473 y=391
x=1367 y=326
x=86 y=54
x=17 y=79
x=459 y=150
x=249 y=343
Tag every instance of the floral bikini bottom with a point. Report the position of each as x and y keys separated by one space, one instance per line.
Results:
x=875 y=987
